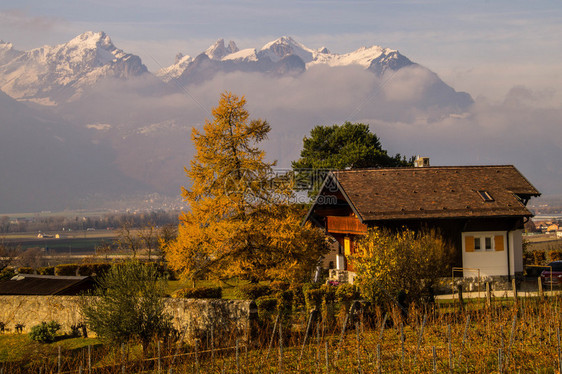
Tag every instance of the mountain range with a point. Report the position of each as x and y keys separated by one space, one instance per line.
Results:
x=84 y=121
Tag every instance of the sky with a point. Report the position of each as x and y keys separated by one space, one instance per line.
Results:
x=481 y=47
x=505 y=54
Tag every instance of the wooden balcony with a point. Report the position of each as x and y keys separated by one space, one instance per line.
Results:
x=345 y=225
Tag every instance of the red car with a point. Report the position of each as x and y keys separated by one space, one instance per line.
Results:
x=556 y=278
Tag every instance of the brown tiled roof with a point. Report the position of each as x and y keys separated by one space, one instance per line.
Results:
x=31 y=284
x=435 y=192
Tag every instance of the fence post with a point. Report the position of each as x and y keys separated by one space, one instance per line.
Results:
x=541 y=292
x=307 y=332
x=514 y=287
x=237 y=357
x=280 y=347
x=402 y=345
x=159 y=359
x=461 y=300
x=488 y=295
x=434 y=359
x=326 y=356
x=559 y=356
x=420 y=338
x=358 y=348
x=449 y=346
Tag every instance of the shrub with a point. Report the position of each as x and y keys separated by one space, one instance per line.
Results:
x=46 y=270
x=345 y=294
x=93 y=269
x=75 y=330
x=388 y=262
x=313 y=299
x=253 y=291
x=158 y=266
x=555 y=255
x=328 y=304
x=528 y=258
x=19 y=327
x=278 y=286
x=129 y=305
x=25 y=270
x=66 y=269
x=267 y=307
x=44 y=332
x=298 y=296
x=539 y=257
x=7 y=273
x=199 y=293
x=285 y=303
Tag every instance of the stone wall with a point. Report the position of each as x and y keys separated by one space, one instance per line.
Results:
x=191 y=317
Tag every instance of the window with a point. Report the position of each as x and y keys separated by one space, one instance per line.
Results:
x=485 y=195
x=483 y=241
x=488 y=241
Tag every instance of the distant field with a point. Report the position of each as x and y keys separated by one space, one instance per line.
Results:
x=70 y=242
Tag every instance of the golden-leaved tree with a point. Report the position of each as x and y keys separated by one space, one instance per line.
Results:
x=401 y=264
x=240 y=222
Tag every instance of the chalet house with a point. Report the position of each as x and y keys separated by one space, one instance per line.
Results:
x=480 y=210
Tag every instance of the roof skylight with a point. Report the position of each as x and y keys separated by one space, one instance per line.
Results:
x=485 y=195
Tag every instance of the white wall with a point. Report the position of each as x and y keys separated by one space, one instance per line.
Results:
x=492 y=263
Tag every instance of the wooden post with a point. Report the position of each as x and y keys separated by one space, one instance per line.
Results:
x=488 y=295
x=327 y=357
x=434 y=359
x=514 y=287
x=281 y=347
x=307 y=332
x=237 y=358
x=541 y=291
x=159 y=359
x=461 y=301
x=420 y=339
x=402 y=345
x=379 y=362
x=449 y=347
x=559 y=356
x=358 y=348
x=59 y=361
x=197 y=356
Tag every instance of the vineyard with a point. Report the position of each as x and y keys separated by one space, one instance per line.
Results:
x=507 y=337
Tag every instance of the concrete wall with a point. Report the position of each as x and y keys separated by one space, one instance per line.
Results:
x=192 y=317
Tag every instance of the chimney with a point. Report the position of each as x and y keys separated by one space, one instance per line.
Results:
x=421 y=162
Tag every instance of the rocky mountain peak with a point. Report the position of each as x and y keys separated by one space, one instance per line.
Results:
x=218 y=50
x=285 y=46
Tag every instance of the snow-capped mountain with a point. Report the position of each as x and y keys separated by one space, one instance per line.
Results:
x=126 y=126
x=273 y=54
x=48 y=75
x=218 y=50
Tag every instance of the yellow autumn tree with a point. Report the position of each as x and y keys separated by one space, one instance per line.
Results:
x=240 y=222
x=401 y=264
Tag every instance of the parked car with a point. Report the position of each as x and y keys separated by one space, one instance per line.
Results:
x=556 y=278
